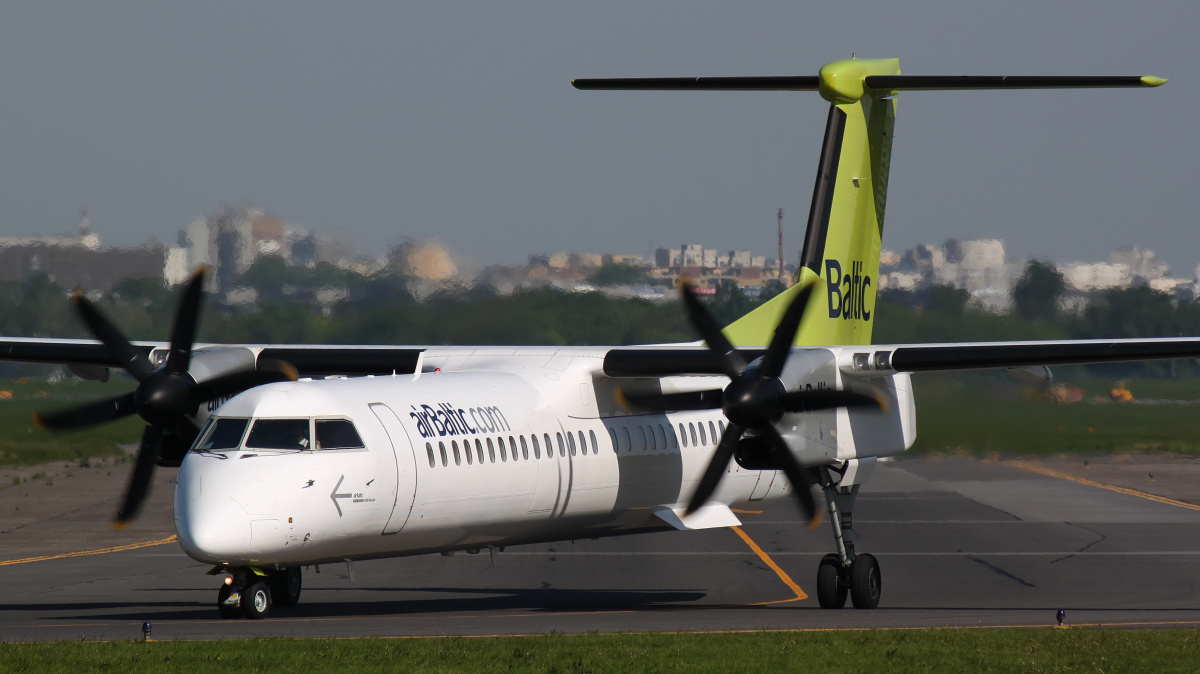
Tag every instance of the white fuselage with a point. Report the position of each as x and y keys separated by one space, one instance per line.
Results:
x=510 y=448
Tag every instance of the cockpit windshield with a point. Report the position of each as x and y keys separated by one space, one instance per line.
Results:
x=279 y=434
x=223 y=434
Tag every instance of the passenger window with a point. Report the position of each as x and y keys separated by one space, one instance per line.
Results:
x=712 y=432
x=225 y=434
x=641 y=439
x=703 y=439
x=279 y=434
x=562 y=449
x=650 y=438
x=337 y=434
x=457 y=456
x=491 y=450
x=672 y=437
x=612 y=433
x=571 y=442
x=479 y=449
x=595 y=447
x=442 y=449
x=625 y=437
x=512 y=447
x=662 y=437
x=721 y=425
x=683 y=435
x=549 y=447
x=429 y=451
x=692 y=429
x=537 y=451
x=524 y=449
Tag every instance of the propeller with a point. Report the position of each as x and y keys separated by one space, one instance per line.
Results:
x=754 y=401
x=167 y=397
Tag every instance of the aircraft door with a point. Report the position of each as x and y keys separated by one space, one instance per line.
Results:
x=406 y=468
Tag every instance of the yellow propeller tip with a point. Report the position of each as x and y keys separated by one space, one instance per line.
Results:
x=621 y=400
x=121 y=525
x=202 y=269
x=816 y=520
x=37 y=421
x=1152 y=81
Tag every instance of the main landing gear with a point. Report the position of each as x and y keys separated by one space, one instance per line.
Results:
x=251 y=592
x=844 y=572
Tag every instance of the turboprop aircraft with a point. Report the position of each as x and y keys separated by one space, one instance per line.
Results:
x=292 y=456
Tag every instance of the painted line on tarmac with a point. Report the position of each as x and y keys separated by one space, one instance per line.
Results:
x=774 y=567
x=83 y=553
x=1024 y=465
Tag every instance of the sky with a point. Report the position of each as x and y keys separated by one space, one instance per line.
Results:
x=457 y=122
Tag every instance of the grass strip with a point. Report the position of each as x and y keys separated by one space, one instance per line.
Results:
x=1028 y=651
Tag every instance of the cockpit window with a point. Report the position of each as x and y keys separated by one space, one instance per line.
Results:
x=223 y=434
x=337 y=434
x=279 y=434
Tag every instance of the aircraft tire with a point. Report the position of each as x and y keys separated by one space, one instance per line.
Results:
x=830 y=593
x=256 y=600
x=866 y=583
x=227 y=610
x=285 y=586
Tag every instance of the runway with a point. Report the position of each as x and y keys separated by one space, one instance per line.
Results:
x=961 y=542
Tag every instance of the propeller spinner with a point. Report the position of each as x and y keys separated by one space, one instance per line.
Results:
x=754 y=401
x=167 y=397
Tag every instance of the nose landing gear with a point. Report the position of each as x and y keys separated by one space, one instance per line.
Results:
x=251 y=592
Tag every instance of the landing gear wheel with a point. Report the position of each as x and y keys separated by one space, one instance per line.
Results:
x=228 y=605
x=865 y=582
x=256 y=600
x=285 y=586
x=830 y=592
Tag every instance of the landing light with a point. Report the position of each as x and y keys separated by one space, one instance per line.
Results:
x=229 y=580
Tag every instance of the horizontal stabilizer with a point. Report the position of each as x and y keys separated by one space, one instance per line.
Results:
x=781 y=83
x=949 y=82
x=711 y=516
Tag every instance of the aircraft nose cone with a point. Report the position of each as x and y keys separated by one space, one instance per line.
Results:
x=210 y=530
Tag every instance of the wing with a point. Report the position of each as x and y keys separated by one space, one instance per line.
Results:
x=883 y=358
x=308 y=359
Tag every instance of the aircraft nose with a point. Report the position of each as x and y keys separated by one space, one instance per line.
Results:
x=214 y=533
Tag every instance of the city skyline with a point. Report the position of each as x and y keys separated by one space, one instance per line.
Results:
x=458 y=121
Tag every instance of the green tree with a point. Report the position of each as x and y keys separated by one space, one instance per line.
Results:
x=617 y=274
x=1038 y=290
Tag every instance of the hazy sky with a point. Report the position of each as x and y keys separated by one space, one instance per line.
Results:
x=457 y=121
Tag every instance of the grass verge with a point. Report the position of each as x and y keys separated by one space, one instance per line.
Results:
x=22 y=444
x=1009 y=650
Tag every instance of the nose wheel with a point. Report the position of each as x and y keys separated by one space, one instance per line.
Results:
x=251 y=593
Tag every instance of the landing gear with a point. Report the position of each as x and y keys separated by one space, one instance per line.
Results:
x=285 y=586
x=845 y=573
x=256 y=601
x=252 y=592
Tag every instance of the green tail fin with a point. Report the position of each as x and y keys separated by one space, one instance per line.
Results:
x=845 y=220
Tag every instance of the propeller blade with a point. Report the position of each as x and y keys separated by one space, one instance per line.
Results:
x=732 y=362
x=232 y=384
x=183 y=332
x=785 y=333
x=663 y=402
x=815 y=400
x=799 y=477
x=86 y=415
x=716 y=467
x=129 y=356
x=139 y=480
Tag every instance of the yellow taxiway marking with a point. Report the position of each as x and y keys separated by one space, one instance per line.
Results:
x=1120 y=490
x=787 y=580
x=83 y=553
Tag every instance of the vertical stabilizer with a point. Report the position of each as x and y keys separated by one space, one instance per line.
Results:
x=845 y=219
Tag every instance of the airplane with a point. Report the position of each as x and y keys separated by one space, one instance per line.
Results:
x=294 y=456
